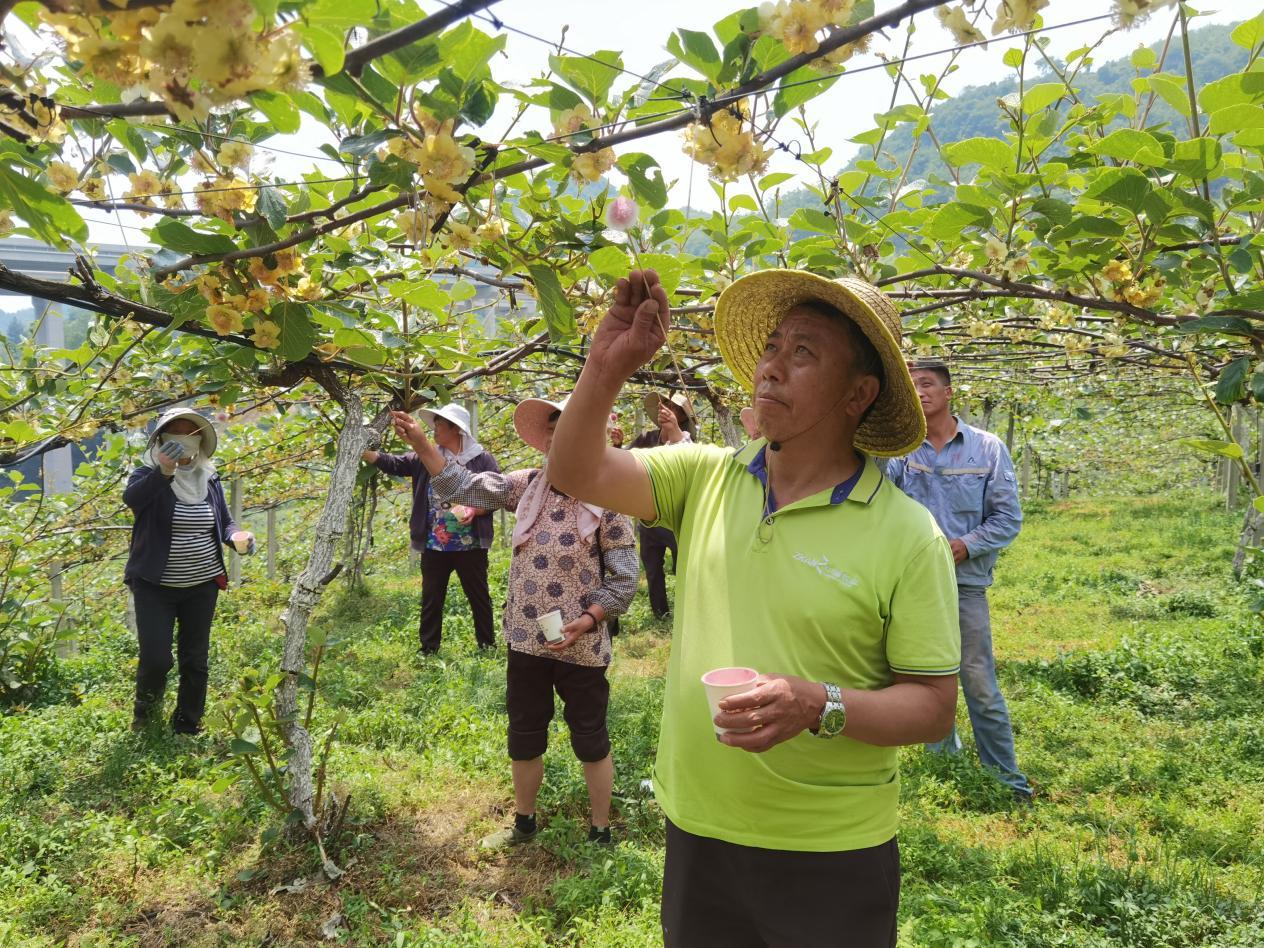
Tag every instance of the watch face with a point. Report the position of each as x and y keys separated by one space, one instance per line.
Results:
x=833 y=720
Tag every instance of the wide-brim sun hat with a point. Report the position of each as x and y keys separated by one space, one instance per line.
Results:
x=454 y=413
x=210 y=439
x=750 y=308
x=531 y=420
x=680 y=399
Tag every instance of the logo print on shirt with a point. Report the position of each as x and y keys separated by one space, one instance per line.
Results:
x=823 y=568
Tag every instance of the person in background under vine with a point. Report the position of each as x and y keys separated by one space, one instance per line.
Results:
x=800 y=561
x=676 y=426
x=175 y=563
x=567 y=556
x=965 y=478
x=449 y=537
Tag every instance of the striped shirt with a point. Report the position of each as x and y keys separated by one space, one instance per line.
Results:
x=194 y=549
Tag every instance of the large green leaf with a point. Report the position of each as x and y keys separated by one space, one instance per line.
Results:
x=1196 y=158
x=1231 y=385
x=1042 y=96
x=697 y=51
x=1123 y=187
x=280 y=109
x=1126 y=144
x=609 y=262
x=1227 y=449
x=180 y=237
x=800 y=86
x=1249 y=34
x=49 y=215
x=466 y=50
x=1236 y=89
x=297 y=334
x=644 y=178
x=1235 y=118
x=559 y=315
x=952 y=218
x=988 y=152
x=592 y=76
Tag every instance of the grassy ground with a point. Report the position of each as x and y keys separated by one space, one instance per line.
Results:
x=1136 y=683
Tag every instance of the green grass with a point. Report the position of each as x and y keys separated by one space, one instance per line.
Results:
x=1135 y=679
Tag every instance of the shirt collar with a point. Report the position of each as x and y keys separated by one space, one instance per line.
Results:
x=861 y=487
x=962 y=428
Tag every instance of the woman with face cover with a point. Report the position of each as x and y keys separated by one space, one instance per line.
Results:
x=175 y=566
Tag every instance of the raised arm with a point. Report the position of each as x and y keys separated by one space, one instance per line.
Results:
x=581 y=462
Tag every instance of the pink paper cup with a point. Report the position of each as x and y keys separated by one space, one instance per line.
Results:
x=720 y=683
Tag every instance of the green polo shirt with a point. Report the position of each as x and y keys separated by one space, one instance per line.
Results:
x=849 y=586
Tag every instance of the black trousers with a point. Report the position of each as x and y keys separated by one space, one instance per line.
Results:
x=655 y=542
x=160 y=612
x=585 y=693
x=730 y=896
x=471 y=568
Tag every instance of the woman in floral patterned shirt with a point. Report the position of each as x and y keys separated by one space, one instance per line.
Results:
x=567 y=556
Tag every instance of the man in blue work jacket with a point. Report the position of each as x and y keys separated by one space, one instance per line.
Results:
x=965 y=478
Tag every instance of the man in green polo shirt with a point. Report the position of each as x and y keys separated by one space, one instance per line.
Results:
x=799 y=560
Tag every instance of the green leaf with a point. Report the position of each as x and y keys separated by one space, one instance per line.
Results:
x=952 y=218
x=1013 y=58
x=425 y=294
x=1227 y=449
x=242 y=748
x=800 y=86
x=1257 y=385
x=1085 y=226
x=559 y=316
x=297 y=334
x=697 y=51
x=1231 y=385
x=1250 y=33
x=326 y=44
x=609 y=262
x=362 y=145
x=988 y=152
x=466 y=50
x=1123 y=187
x=1172 y=90
x=809 y=218
x=590 y=77
x=1196 y=158
x=272 y=207
x=1042 y=96
x=1230 y=325
x=175 y=235
x=1236 y=89
x=1058 y=212
x=1235 y=118
x=1125 y=144
x=280 y=109
x=774 y=179
x=669 y=269
x=49 y=215
x=644 y=178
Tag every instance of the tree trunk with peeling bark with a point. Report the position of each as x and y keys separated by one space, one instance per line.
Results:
x=353 y=438
x=730 y=430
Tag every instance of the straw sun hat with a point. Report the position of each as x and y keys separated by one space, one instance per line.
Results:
x=531 y=420
x=751 y=308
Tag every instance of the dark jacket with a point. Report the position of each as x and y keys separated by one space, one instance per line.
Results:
x=408 y=465
x=153 y=503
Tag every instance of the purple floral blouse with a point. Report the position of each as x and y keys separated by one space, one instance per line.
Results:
x=554 y=569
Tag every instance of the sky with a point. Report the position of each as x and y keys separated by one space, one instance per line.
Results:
x=844 y=110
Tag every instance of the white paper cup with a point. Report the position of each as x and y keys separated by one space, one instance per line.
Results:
x=551 y=626
x=720 y=683
x=241 y=542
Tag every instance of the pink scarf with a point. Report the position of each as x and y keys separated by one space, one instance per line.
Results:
x=532 y=504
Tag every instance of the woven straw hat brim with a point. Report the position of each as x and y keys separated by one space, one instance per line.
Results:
x=749 y=310
x=210 y=439
x=531 y=420
x=428 y=415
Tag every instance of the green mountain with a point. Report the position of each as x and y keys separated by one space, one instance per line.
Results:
x=974 y=111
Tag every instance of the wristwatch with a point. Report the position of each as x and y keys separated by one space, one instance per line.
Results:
x=833 y=715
